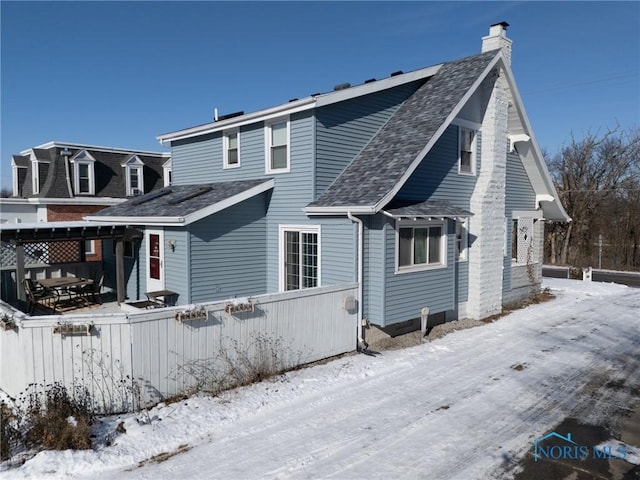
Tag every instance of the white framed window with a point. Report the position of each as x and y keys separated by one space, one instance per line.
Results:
x=90 y=247
x=522 y=245
x=466 y=150
x=231 y=146
x=134 y=176
x=83 y=173
x=35 y=177
x=299 y=257
x=277 y=151
x=420 y=245
x=462 y=239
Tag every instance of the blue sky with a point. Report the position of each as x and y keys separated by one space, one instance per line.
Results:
x=120 y=73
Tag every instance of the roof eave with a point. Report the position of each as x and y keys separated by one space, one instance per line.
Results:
x=341 y=210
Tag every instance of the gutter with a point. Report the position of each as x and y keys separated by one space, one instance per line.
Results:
x=362 y=344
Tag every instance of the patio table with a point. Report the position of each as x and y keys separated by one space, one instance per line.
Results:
x=63 y=284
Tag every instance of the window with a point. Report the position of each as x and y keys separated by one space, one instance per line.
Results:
x=522 y=240
x=514 y=240
x=134 y=175
x=89 y=247
x=231 y=149
x=421 y=246
x=83 y=173
x=300 y=255
x=84 y=181
x=467 y=147
x=166 y=172
x=462 y=239
x=277 y=146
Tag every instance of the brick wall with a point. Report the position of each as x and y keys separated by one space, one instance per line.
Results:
x=66 y=251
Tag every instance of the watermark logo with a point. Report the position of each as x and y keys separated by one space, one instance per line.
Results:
x=564 y=447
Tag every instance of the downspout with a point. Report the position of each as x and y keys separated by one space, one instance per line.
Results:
x=65 y=153
x=362 y=345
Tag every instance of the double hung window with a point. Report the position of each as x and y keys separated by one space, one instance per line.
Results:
x=466 y=147
x=232 y=149
x=277 y=146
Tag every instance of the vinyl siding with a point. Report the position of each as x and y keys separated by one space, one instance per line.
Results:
x=374 y=271
x=519 y=196
x=193 y=161
x=437 y=177
x=338 y=243
x=407 y=293
x=176 y=264
x=343 y=129
x=134 y=270
x=292 y=191
x=227 y=253
x=462 y=280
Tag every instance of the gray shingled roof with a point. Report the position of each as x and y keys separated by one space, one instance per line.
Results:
x=21 y=161
x=167 y=201
x=380 y=165
x=430 y=208
x=110 y=178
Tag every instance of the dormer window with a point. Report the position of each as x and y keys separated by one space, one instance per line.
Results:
x=231 y=149
x=134 y=175
x=166 y=172
x=277 y=146
x=83 y=173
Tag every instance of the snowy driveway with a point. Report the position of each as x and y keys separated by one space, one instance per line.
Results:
x=464 y=406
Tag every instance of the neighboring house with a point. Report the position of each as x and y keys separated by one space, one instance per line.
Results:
x=60 y=181
x=426 y=188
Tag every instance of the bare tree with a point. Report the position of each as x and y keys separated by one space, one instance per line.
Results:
x=597 y=179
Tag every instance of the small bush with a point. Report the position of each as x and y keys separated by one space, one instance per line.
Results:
x=57 y=420
x=237 y=365
x=9 y=430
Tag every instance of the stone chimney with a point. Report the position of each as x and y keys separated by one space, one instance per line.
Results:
x=496 y=39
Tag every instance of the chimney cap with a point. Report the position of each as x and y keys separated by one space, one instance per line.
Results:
x=501 y=24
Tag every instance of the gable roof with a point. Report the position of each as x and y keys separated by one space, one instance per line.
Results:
x=376 y=173
x=182 y=204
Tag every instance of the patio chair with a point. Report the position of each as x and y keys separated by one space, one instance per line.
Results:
x=91 y=289
x=37 y=294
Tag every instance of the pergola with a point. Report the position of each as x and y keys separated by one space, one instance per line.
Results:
x=20 y=234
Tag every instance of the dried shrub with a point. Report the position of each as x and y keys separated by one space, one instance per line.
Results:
x=9 y=430
x=58 y=420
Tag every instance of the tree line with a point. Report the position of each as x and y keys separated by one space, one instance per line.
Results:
x=598 y=181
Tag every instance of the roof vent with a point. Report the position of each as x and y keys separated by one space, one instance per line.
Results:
x=230 y=115
x=342 y=86
x=293 y=100
x=395 y=74
x=315 y=94
x=371 y=80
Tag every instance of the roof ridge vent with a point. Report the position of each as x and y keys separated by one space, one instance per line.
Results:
x=342 y=86
x=371 y=80
x=395 y=74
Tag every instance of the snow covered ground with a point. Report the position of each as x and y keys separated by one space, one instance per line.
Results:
x=465 y=406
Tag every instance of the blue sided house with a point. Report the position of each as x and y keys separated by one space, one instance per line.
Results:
x=425 y=188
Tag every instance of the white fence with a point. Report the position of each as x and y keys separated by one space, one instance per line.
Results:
x=143 y=357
